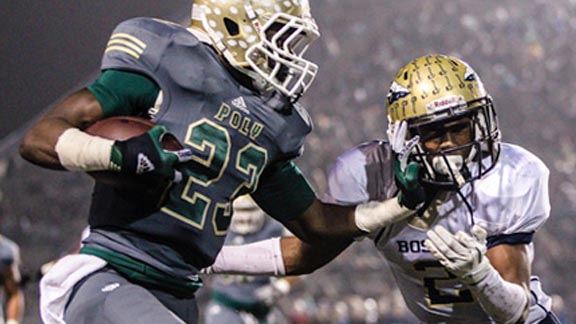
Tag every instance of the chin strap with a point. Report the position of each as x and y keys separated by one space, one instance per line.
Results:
x=468 y=205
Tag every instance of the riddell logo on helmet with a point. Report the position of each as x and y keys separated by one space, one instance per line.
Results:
x=445 y=103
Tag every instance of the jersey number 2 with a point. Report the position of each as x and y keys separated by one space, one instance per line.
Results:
x=439 y=285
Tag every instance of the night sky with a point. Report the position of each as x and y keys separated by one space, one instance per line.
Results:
x=50 y=48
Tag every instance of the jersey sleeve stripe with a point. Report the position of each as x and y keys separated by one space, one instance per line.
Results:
x=137 y=41
x=122 y=49
x=122 y=42
x=126 y=43
x=512 y=239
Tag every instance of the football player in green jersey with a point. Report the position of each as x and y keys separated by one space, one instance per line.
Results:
x=227 y=87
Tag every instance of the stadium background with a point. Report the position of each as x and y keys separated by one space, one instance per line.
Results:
x=524 y=51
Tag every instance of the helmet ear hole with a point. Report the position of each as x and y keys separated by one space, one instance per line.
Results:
x=231 y=27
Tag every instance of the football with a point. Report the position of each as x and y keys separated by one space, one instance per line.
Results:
x=122 y=128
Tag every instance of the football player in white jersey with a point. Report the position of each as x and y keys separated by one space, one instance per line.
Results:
x=465 y=255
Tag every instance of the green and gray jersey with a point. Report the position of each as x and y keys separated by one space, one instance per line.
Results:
x=243 y=142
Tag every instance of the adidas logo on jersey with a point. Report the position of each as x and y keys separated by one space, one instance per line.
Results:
x=240 y=104
x=144 y=164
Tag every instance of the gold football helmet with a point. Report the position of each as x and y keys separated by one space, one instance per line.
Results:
x=433 y=90
x=264 y=39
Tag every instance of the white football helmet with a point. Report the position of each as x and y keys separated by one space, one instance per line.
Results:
x=247 y=218
x=264 y=39
x=433 y=90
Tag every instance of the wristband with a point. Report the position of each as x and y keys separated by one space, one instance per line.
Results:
x=78 y=151
x=259 y=258
x=12 y=321
x=503 y=301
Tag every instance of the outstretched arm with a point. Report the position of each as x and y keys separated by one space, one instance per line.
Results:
x=275 y=257
x=323 y=224
x=302 y=258
x=322 y=233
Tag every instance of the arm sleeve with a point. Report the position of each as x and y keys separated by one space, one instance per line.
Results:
x=284 y=192
x=133 y=53
x=124 y=93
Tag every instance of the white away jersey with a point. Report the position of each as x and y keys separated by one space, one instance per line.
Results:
x=511 y=202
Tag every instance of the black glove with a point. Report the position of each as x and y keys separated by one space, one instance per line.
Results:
x=144 y=155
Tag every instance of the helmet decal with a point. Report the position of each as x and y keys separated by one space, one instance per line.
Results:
x=396 y=92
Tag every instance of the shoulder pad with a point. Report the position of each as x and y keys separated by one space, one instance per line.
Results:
x=361 y=174
x=514 y=195
x=138 y=44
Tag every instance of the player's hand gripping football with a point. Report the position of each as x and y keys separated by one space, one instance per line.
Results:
x=461 y=254
x=406 y=175
x=144 y=155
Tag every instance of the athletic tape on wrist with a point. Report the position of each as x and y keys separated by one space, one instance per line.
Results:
x=259 y=258
x=78 y=151
x=374 y=215
x=503 y=301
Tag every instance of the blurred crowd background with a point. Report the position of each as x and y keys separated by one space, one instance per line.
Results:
x=523 y=50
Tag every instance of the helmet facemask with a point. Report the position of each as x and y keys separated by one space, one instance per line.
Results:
x=451 y=168
x=277 y=58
